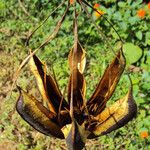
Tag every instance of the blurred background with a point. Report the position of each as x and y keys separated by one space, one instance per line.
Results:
x=131 y=19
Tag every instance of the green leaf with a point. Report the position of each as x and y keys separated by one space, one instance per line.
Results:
x=132 y=53
x=147 y=38
x=2 y=4
x=121 y=4
x=139 y=35
x=143 y=129
x=117 y=16
x=133 y=20
x=148 y=60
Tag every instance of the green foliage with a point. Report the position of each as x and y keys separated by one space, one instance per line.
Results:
x=132 y=53
x=16 y=25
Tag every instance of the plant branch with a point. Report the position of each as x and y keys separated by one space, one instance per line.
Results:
x=23 y=8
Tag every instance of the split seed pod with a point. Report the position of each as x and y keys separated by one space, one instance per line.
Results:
x=90 y=119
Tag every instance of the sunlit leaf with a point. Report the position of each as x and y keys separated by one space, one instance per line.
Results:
x=132 y=52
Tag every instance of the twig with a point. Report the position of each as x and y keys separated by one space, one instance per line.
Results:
x=29 y=37
x=23 y=8
x=49 y=38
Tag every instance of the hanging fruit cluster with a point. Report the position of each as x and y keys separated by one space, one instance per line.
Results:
x=76 y=119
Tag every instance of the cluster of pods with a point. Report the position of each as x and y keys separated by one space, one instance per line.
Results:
x=76 y=119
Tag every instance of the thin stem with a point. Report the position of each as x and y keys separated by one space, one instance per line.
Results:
x=104 y=18
x=27 y=42
x=23 y=8
x=52 y=36
x=98 y=28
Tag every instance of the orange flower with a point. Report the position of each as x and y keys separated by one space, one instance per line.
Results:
x=71 y=1
x=99 y=13
x=96 y=6
x=144 y=134
x=141 y=13
x=148 y=5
